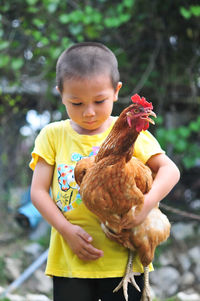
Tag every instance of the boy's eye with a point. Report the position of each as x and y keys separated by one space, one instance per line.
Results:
x=100 y=101
x=76 y=103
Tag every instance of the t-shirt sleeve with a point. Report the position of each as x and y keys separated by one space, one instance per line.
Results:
x=44 y=147
x=146 y=146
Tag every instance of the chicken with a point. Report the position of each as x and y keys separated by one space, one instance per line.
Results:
x=119 y=182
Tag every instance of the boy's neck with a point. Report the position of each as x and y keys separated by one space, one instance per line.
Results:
x=99 y=130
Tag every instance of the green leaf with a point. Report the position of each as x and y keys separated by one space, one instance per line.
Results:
x=17 y=63
x=112 y=22
x=44 y=41
x=64 y=18
x=88 y=10
x=92 y=32
x=171 y=136
x=181 y=146
x=4 y=60
x=124 y=18
x=77 y=16
x=33 y=9
x=79 y=38
x=183 y=131
x=128 y=3
x=54 y=37
x=55 y=52
x=120 y=8
x=4 y=45
x=195 y=10
x=65 y=42
x=189 y=162
x=5 y=7
x=52 y=7
x=97 y=17
x=37 y=35
x=185 y=13
x=12 y=102
x=38 y=22
x=75 y=29
x=194 y=126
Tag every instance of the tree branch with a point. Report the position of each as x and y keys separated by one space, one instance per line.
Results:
x=149 y=68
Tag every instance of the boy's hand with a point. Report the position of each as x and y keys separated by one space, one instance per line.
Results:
x=131 y=219
x=80 y=243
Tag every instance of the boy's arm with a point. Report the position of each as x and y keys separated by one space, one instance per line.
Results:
x=167 y=175
x=75 y=236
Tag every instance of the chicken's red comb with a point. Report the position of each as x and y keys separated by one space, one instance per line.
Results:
x=142 y=101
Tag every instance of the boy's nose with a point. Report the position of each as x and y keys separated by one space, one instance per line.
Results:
x=89 y=111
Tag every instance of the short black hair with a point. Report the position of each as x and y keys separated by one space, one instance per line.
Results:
x=86 y=59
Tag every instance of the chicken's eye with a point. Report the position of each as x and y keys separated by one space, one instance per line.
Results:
x=136 y=111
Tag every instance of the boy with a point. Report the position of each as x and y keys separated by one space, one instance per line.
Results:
x=84 y=263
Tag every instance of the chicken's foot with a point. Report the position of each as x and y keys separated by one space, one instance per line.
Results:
x=146 y=296
x=128 y=277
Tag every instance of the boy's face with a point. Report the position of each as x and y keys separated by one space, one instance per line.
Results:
x=89 y=102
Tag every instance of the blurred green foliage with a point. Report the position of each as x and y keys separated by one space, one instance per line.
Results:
x=183 y=139
x=157 y=47
x=34 y=33
x=191 y=11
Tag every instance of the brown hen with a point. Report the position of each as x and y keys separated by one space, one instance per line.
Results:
x=113 y=184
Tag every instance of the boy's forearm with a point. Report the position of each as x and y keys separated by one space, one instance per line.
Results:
x=50 y=212
x=77 y=239
x=41 y=182
x=166 y=178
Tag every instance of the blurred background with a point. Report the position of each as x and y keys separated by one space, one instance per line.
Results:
x=157 y=45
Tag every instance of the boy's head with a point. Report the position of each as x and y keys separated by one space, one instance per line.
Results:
x=85 y=60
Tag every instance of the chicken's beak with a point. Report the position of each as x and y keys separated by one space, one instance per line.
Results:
x=147 y=118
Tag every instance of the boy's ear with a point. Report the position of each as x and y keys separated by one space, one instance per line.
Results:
x=119 y=85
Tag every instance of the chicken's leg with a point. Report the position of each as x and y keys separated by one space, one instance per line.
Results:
x=146 y=296
x=128 y=277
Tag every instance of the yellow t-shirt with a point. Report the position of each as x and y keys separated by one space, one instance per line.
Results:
x=59 y=145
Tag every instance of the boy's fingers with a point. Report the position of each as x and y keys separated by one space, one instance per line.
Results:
x=93 y=251
x=84 y=255
x=90 y=255
x=85 y=235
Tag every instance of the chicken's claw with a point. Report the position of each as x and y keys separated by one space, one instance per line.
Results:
x=146 y=295
x=124 y=283
x=128 y=277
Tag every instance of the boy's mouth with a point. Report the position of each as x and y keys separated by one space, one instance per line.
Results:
x=90 y=122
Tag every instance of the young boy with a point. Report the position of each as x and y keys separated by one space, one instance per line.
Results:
x=84 y=263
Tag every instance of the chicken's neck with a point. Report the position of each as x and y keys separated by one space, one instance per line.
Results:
x=119 y=143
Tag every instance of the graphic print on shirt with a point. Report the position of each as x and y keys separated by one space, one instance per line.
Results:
x=68 y=197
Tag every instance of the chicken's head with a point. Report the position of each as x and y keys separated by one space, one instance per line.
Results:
x=138 y=113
